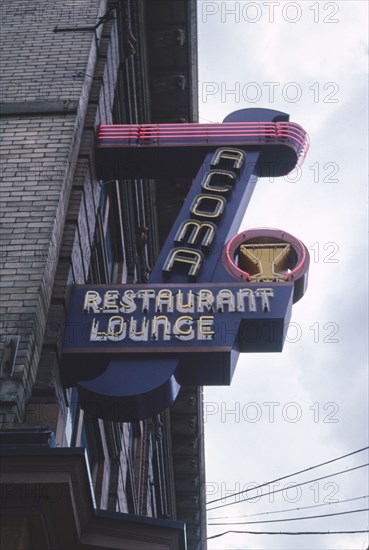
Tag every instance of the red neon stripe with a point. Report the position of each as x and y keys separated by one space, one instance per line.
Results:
x=205 y=137
x=191 y=131
x=289 y=133
x=184 y=127
x=233 y=132
x=209 y=132
x=135 y=128
x=169 y=136
x=187 y=126
x=188 y=130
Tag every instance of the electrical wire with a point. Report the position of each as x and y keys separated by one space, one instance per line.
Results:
x=288 y=509
x=288 y=533
x=292 y=519
x=289 y=475
x=283 y=489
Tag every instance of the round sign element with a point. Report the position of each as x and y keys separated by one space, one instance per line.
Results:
x=265 y=255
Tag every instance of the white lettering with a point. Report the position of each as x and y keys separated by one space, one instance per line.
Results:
x=92 y=301
x=163 y=322
x=146 y=295
x=117 y=329
x=139 y=335
x=205 y=328
x=183 y=328
x=187 y=307
x=226 y=297
x=110 y=301
x=205 y=300
x=127 y=302
x=265 y=294
x=164 y=298
x=241 y=295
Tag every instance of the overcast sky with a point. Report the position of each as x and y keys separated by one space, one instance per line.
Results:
x=314 y=57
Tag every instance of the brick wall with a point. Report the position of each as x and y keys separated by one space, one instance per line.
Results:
x=38 y=64
x=44 y=99
x=59 y=88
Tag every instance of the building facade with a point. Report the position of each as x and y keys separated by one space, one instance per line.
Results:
x=70 y=480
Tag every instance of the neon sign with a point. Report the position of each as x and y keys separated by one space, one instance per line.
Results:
x=155 y=316
x=211 y=295
x=206 y=209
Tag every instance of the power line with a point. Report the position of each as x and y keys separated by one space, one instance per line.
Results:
x=288 y=533
x=283 y=489
x=292 y=519
x=207 y=120
x=290 y=475
x=288 y=509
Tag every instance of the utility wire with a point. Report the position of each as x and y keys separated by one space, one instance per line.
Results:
x=292 y=519
x=290 y=475
x=283 y=489
x=207 y=120
x=288 y=533
x=288 y=509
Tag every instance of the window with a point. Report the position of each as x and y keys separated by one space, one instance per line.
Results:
x=107 y=258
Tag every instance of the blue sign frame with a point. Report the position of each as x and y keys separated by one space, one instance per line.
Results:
x=129 y=348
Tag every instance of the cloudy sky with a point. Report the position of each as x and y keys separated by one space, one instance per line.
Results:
x=308 y=404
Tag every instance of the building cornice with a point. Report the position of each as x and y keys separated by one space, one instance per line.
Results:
x=52 y=489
